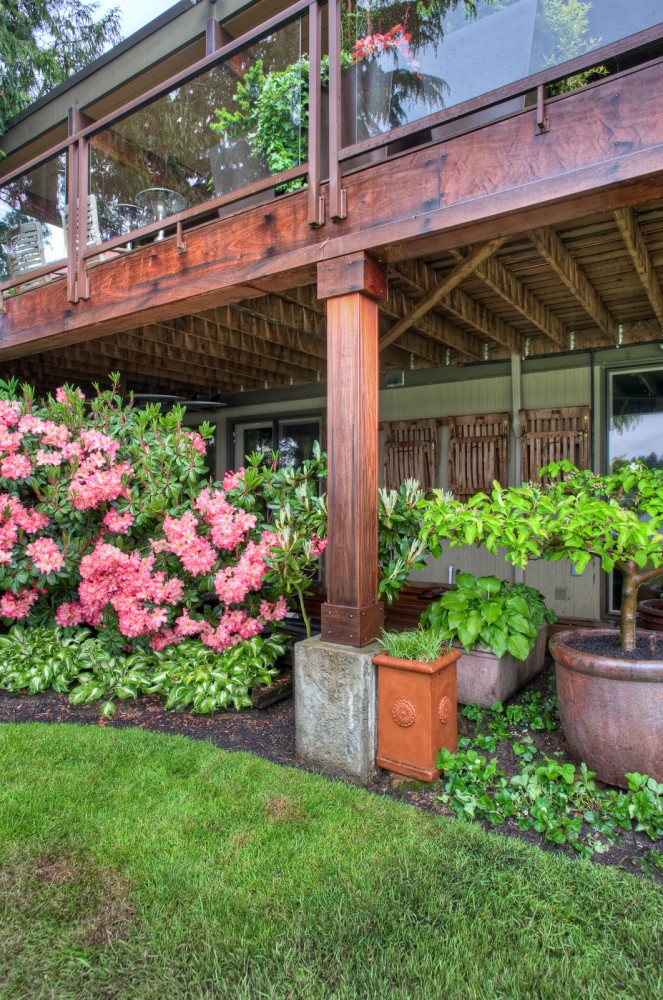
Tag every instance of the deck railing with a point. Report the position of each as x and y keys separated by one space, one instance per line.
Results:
x=156 y=167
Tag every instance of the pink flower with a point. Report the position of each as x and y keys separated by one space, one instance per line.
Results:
x=229 y=525
x=196 y=441
x=233 y=480
x=61 y=394
x=317 y=545
x=235 y=582
x=117 y=522
x=29 y=424
x=9 y=413
x=69 y=615
x=195 y=553
x=18 y=605
x=15 y=467
x=53 y=435
x=45 y=555
x=48 y=457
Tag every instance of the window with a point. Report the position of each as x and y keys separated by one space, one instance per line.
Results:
x=635 y=417
x=635 y=431
x=292 y=437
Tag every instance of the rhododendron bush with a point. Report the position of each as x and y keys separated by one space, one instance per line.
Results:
x=106 y=520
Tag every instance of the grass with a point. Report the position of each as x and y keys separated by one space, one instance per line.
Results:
x=139 y=865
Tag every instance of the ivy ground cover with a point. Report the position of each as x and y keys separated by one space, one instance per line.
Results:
x=133 y=864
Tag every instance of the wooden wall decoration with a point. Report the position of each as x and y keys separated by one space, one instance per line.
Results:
x=549 y=435
x=411 y=452
x=478 y=453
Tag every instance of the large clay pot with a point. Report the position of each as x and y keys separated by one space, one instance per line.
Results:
x=417 y=713
x=611 y=709
x=650 y=615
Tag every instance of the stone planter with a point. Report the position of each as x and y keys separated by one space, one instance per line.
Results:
x=417 y=713
x=484 y=678
x=650 y=614
x=611 y=709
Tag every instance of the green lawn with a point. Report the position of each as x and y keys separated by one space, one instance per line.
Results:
x=138 y=865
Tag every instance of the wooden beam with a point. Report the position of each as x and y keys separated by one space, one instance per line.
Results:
x=352 y=614
x=637 y=248
x=470 y=188
x=442 y=288
x=439 y=333
x=467 y=309
x=553 y=251
x=501 y=280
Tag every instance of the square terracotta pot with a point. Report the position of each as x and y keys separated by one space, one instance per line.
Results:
x=417 y=713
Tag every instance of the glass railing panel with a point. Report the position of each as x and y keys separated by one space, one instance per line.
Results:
x=234 y=125
x=33 y=219
x=403 y=61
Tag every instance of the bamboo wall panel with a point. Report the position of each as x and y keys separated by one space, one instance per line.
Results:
x=550 y=435
x=478 y=453
x=411 y=452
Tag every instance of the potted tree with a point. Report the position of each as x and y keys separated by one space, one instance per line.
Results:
x=502 y=628
x=417 y=708
x=609 y=681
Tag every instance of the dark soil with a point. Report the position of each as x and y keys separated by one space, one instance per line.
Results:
x=647 y=647
x=270 y=733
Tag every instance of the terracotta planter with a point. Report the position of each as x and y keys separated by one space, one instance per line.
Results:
x=650 y=615
x=611 y=709
x=484 y=678
x=417 y=713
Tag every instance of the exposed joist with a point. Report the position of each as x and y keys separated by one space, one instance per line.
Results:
x=637 y=248
x=439 y=333
x=465 y=308
x=502 y=281
x=203 y=339
x=553 y=251
x=443 y=287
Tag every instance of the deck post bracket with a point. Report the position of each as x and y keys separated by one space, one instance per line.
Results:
x=542 y=119
x=180 y=242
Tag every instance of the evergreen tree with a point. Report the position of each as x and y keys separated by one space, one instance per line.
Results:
x=43 y=42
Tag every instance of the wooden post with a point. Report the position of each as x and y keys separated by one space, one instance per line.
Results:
x=352 y=285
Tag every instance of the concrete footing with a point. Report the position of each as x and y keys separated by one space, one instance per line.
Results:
x=336 y=708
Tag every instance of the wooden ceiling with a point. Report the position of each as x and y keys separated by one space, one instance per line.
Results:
x=591 y=284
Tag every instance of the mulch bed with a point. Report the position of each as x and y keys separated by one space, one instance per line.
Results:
x=270 y=733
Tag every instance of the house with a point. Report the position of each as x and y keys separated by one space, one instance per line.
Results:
x=453 y=268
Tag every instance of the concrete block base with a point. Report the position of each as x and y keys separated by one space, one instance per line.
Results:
x=336 y=708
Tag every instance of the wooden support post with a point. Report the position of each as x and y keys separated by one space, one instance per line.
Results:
x=353 y=286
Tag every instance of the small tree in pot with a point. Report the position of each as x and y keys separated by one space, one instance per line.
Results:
x=577 y=515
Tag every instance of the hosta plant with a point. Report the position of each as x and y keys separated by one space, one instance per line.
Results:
x=500 y=616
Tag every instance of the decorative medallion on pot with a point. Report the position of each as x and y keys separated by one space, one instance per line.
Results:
x=417 y=712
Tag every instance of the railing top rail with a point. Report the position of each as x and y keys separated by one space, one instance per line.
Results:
x=160 y=90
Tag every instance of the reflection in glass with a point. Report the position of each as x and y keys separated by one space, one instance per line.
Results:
x=32 y=215
x=636 y=418
x=236 y=124
x=405 y=60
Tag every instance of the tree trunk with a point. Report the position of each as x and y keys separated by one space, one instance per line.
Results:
x=627 y=624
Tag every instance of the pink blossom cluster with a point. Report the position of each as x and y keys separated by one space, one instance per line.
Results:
x=233 y=480
x=14 y=517
x=15 y=467
x=45 y=555
x=228 y=525
x=119 y=523
x=97 y=480
x=233 y=583
x=18 y=605
x=196 y=441
x=126 y=582
x=61 y=395
x=195 y=553
x=317 y=545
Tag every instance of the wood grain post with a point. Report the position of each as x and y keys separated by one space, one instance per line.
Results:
x=352 y=286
